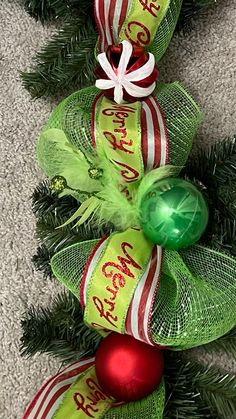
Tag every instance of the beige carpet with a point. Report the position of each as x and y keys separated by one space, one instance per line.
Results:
x=204 y=62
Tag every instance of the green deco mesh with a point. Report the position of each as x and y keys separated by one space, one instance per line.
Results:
x=166 y=29
x=150 y=408
x=195 y=300
x=182 y=117
x=68 y=265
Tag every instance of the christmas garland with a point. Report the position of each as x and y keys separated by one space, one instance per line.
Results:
x=149 y=285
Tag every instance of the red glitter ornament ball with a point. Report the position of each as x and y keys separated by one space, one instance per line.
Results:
x=137 y=61
x=128 y=369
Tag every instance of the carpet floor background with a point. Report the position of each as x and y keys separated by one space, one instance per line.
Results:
x=203 y=61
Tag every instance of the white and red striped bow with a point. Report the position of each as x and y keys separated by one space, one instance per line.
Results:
x=121 y=78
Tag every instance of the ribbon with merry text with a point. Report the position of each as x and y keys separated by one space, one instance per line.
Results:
x=133 y=136
x=133 y=20
x=120 y=282
x=72 y=393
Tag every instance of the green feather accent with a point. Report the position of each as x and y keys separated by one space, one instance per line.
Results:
x=57 y=156
x=115 y=208
x=87 y=207
x=123 y=211
x=112 y=200
x=93 y=206
x=112 y=205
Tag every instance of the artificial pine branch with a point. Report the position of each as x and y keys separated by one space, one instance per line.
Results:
x=41 y=261
x=55 y=238
x=45 y=200
x=227 y=197
x=217 y=388
x=221 y=233
x=226 y=344
x=215 y=165
x=58 y=330
x=182 y=401
x=214 y=169
x=197 y=391
x=45 y=10
x=191 y=9
x=66 y=63
x=51 y=212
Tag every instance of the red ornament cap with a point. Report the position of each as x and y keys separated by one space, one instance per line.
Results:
x=126 y=73
x=128 y=369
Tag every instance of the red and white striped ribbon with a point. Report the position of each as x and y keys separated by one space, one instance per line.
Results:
x=89 y=269
x=48 y=399
x=110 y=15
x=139 y=313
x=154 y=135
x=140 y=310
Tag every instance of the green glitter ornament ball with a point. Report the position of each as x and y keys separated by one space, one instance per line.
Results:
x=58 y=184
x=173 y=213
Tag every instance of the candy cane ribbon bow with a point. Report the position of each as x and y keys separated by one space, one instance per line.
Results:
x=123 y=79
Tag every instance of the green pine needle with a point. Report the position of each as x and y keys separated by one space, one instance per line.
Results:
x=191 y=9
x=221 y=233
x=46 y=10
x=45 y=200
x=217 y=389
x=58 y=330
x=66 y=63
x=51 y=212
x=54 y=238
x=41 y=261
x=197 y=391
x=215 y=165
x=226 y=344
x=214 y=169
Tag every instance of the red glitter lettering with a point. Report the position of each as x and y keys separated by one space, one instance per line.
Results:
x=129 y=173
x=107 y=306
x=150 y=7
x=118 y=144
x=141 y=38
x=103 y=312
x=88 y=402
x=120 y=111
